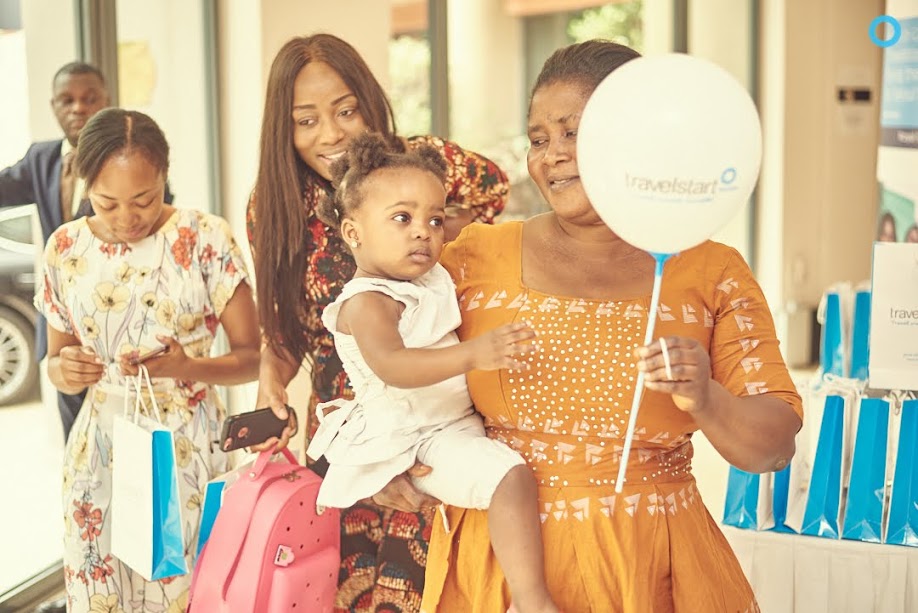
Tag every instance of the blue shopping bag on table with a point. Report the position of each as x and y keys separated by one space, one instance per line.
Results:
x=860 y=335
x=902 y=525
x=867 y=487
x=814 y=393
x=147 y=532
x=748 y=501
x=820 y=517
x=780 y=496
x=742 y=501
x=833 y=341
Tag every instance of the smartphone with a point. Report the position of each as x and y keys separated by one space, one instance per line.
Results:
x=253 y=428
x=150 y=354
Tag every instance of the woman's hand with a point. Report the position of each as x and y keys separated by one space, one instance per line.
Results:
x=80 y=367
x=272 y=393
x=689 y=377
x=496 y=349
x=401 y=495
x=173 y=363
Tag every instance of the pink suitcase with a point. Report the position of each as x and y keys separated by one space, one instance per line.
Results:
x=269 y=551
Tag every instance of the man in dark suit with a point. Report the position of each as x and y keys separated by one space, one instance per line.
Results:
x=46 y=177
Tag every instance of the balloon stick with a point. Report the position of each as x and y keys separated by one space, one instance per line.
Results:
x=660 y=259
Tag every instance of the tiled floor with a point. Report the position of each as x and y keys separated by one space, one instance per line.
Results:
x=30 y=477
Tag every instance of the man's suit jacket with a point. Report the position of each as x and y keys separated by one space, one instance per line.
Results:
x=37 y=178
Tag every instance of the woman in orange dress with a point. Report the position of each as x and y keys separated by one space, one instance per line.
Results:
x=654 y=547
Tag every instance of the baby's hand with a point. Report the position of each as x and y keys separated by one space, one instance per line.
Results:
x=496 y=349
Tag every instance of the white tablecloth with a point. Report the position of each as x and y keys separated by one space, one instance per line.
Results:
x=804 y=574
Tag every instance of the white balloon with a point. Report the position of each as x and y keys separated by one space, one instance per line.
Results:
x=669 y=148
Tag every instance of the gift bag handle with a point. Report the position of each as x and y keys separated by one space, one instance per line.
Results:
x=143 y=376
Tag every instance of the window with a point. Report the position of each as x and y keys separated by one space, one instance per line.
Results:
x=16 y=225
x=32 y=48
x=409 y=68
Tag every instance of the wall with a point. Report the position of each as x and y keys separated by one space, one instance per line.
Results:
x=50 y=43
x=818 y=189
x=830 y=194
x=162 y=72
x=15 y=110
x=658 y=26
x=486 y=74
x=721 y=31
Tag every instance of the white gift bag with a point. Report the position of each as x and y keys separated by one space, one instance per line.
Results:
x=893 y=359
x=147 y=530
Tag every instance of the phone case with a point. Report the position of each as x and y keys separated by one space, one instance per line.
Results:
x=251 y=428
x=150 y=354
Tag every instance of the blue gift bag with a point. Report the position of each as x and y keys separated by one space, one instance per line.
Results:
x=780 y=495
x=832 y=343
x=168 y=540
x=860 y=335
x=820 y=517
x=213 y=500
x=867 y=487
x=748 y=503
x=902 y=528
x=741 y=505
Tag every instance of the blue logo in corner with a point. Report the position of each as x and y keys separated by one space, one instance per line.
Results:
x=728 y=176
x=893 y=24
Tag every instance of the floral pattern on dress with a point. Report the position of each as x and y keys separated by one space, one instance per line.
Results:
x=116 y=298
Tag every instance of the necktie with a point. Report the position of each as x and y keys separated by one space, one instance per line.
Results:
x=68 y=182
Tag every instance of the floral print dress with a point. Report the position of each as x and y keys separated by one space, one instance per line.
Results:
x=116 y=298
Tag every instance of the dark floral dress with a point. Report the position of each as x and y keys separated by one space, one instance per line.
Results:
x=383 y=552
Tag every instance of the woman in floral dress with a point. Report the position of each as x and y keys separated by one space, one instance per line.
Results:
x=320 y=95
x=138 y=275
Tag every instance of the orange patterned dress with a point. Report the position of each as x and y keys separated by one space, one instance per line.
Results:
x=654 y=547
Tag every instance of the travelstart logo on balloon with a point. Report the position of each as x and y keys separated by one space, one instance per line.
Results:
x=685 y=189
x=669 y=149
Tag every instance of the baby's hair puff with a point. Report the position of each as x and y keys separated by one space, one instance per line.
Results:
x=366 y=154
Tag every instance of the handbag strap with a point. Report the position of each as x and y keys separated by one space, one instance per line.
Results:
x=224 y=552
x=265 y=456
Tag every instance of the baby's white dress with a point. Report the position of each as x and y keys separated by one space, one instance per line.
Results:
x=385 y=430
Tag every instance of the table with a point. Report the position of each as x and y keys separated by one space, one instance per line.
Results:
x=804 y=574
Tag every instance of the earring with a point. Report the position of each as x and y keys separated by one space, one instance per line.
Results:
x=354 y=244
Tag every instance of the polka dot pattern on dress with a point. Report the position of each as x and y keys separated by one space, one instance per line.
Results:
x=580 y=383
